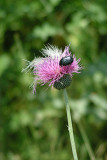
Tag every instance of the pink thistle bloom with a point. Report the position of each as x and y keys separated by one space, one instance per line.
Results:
x=48 y=70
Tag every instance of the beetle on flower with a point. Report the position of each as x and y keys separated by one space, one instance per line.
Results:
x=56 y=68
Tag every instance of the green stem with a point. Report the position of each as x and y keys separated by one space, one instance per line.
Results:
x=70 y=128
x=86 y=141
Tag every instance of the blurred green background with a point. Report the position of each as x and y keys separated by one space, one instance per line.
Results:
x=34 y=127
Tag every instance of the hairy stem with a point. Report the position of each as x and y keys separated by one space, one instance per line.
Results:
x=70 y=128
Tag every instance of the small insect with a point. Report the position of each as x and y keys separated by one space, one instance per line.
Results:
x=66 y=61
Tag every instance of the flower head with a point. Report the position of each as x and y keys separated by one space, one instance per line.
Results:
x=48 y=69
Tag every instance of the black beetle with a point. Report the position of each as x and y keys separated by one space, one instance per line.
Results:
x=66 y=61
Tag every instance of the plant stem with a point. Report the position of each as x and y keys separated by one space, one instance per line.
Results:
x=86 y=141
x=70 y=128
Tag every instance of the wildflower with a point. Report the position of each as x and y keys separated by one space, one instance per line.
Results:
x=56 y=68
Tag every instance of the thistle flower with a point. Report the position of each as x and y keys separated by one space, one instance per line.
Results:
x=51 y=69
x=56 y=69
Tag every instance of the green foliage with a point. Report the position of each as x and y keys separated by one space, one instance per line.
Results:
x=35 y=127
